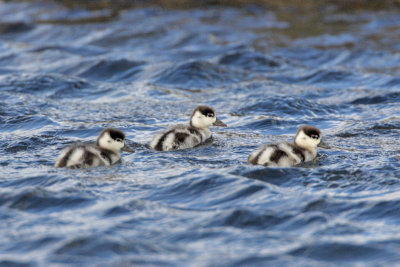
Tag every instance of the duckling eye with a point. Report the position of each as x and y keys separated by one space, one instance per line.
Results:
x=314 y=136
x=118 y=140
x=210 y=115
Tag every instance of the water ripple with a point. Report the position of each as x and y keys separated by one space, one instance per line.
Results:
x=66 y=73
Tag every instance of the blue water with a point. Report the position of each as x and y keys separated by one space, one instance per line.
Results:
x=67 y=73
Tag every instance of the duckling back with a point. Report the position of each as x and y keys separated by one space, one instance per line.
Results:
x=83 y=156
x=180 y=137
x=280 y=155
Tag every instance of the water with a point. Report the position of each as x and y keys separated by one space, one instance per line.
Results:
x=67 y=73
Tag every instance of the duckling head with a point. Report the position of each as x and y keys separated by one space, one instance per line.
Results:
x=204 y=117
x=111 y=139
x=308 y=137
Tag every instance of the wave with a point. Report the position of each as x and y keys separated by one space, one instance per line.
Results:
x=112 y=70
x=380 y=99
x=15 y=27
x=195 y=75
x=37 y=200
x=251 y=61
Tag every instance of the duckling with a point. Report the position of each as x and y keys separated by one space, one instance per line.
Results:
x=304 y=149
x=187 y=136
x=105 y=152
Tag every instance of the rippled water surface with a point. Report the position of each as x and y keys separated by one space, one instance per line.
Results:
x=67 y=73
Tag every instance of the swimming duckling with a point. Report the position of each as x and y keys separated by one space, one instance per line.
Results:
x=287 y=154
x=105 y=152
x=186 y=136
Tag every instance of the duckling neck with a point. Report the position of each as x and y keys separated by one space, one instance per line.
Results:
x=204 y=131
x=116 y=152
x=198 y=127
x=312 y=150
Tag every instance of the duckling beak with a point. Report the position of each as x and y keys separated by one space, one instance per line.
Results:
x=218 y=122
x=322 y=144
x=127 y=149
